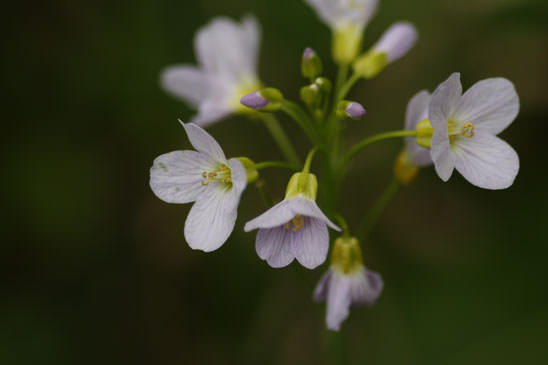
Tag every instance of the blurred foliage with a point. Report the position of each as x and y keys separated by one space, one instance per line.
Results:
x=95 y=268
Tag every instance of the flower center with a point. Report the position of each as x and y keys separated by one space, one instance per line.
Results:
x=222 y=175
x=294 y=224
x=465 y=130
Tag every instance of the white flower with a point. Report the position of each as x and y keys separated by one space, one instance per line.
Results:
x=338 y=14
x=344 y=290
x=293 y=228
x=417 y=111
x=347 y=19
x=228 y=56
x=465 y=129
x=207 y=178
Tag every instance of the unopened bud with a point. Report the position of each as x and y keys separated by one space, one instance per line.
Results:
x=267 y=100
x=311 y=95
x=350 y=109
x=324 y=85
x=405 y=171
x=311 y=65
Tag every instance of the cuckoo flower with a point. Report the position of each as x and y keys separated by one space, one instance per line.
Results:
x=465 y=129
x=347 y=19
x=207 y=178
x=293 y=228
x=413 y=155
x=347 y=283
x=227 y=55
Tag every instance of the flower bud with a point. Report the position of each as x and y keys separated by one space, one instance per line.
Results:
x=405 y=171
x=311 y=65
x=311 y=95
x=324 y=85
x=393 y=45
x=251 y=171
x=347 y=255
x=350 y=109
x=304 y=184
x=267 y=100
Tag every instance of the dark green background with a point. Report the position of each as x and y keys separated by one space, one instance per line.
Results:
x=95 y=270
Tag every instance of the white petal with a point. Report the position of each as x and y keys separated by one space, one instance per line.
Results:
x=203 y=142
x=444 y=160
x=239 y=176
x=444 y=101
x=309 y=208
x=320 y=293
x=212 y=110
x=310 y=243
x=397 y=40
x=417 y=110
x=228 y=49
x=176 y=177
x=252 y=40
x=186 y=83
x=338 y=300
x=273 y=245
x=338 y=12
x=486 y=161
x=211 y=220
x=490 y=104
x=275 y=216
x=366 y=286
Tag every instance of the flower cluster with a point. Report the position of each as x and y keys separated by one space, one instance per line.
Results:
x=448 y=128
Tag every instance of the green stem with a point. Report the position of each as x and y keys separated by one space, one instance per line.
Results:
x=281 y=138
x=341 y=80
x=378 y=137
x=285 y=165
x=336 y=348
x=347 y=86
x=300 y=116
x=308 y=162
x=377 y=209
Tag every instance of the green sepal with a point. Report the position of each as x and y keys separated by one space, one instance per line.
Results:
x=302 y=184
x=370 y=64
x=250 y=169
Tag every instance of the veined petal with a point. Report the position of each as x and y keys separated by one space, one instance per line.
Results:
x=490 y=104
x=397 y=40
x=444 y=160
x=187 y=83
x=211 y=220
x=417 y=110
x=338 y=300
x=309 y=208
x=366 y=286
x=272 y=245
x=203 y=142
x=444 y=101
x=278 y=215
x=176 y=177
x=310 y=243
x=486 y=161
x=320 y=293
x=238 y=175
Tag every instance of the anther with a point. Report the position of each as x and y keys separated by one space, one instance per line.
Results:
x=467 y=130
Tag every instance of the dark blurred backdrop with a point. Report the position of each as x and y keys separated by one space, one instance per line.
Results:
x=95 y=269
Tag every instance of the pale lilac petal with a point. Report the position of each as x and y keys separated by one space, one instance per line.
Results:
x=238 y=175
x=397 y=40
x=444 y=160
x=176 y=177
x=336 y=13
x=309 y=208
x=211 y=220
x=211 y=110
x=417 y=110
x=320 y=293
x=203 y=142
x=490 y=104
x=278 y=215
x=338 y=300
x=444 y=101
x=310 y=243
x=366 y=286
x=187 y=83
x=486 y=161
x=273 y=246
x=252 y=39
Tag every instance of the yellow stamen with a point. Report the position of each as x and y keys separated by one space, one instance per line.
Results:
x=466 y=130
x=295 y=223
x=222 y=174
